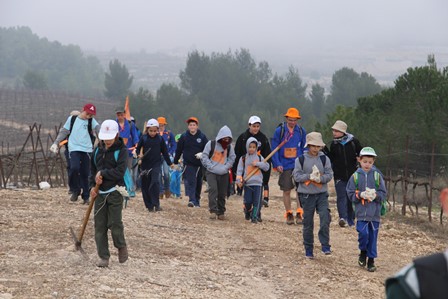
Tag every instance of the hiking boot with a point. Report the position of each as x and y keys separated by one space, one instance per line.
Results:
x=74 y=196
x=362 y=258
x=289 y=218
x=259 y=219
x=326 y=250
x=122 y=254
x=342 y=222
x=158 y=209
x=167 y=194
x=103 y=263
x=190 y=204
x=221 y=217
x=299 y=216
x=266 y=202
x=371 y=265
x=309 y=254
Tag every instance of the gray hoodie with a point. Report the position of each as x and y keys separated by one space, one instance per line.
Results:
x=257 y=178
x=303 y=175
x=209 y=163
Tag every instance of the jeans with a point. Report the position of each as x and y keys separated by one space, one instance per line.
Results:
x=252 y=200
x=108 y=215
x=193 y=183
x=79 y=173
x=368 y=236
x=310 y=203
x=164 y=178
x=345 y=206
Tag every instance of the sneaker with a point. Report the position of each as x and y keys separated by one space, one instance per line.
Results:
x=299 y=216
x=158 y=209
x=289 y=218
x=362 y=261
x=309 y=254
x=122 y=254
x=246 y=215
x=342 y=222
x=190 y=204
x=74 y=196
x=266 y=202
x=221 y=217
x=103 y=263
x=259 y=219
x=151 y=209
x=371 y=265
x=326 y=250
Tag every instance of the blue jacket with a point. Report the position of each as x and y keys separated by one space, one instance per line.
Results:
x=297 y=141
x=189 y=145
x=156 y=147
x=170 y=142
x=129 y=134
x=369 y=211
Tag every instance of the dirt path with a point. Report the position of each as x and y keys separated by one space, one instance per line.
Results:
x=180 y=253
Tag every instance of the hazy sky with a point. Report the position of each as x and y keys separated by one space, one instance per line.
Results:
x=285 y=26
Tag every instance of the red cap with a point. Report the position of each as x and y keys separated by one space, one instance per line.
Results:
x=190 y=119
x=90 y=108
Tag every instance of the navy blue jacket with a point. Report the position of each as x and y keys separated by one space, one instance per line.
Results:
x=156 y=146
x=189 y=145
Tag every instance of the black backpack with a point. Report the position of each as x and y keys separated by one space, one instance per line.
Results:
x=89 y=129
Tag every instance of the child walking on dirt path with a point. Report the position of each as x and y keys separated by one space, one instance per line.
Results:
x=367 y=191
x=253 y=187
x=108 y=170
x=218 y=157
x=149 y=149
x=313 y=171
x=191 y=143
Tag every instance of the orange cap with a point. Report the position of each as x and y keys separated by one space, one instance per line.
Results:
x=190 y=119
x=162 y=120
x=293 y=113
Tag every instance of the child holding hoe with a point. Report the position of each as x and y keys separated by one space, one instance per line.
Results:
x=253 y=187
x=366 y=190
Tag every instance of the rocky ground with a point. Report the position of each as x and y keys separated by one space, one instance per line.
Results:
x=181 y=253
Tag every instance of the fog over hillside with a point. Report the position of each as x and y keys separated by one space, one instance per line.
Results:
x=381 y=37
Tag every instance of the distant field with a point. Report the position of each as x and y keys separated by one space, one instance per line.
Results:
x=21 y=109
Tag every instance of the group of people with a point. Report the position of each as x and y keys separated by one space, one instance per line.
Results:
x=302 y=161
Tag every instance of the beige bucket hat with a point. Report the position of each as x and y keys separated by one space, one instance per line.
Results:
x=314 y=138
x=340 y=126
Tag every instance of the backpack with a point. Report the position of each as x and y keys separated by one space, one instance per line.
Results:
x=376 y=175
x=323 y=158
x=282 y=130
x=127 y=174
x=212 y=149
x=89 y=128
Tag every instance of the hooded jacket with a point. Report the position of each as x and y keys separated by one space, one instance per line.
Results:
x=369 y=211
x=343 y=153
x=244 y=168
x=220 y=162
x=302 y=175
x=112 y=171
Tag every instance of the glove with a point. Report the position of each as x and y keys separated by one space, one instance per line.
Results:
x=54 y=148
x=198 y=155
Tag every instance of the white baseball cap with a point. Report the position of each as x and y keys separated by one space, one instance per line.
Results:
x=367 y=151
x=152 y=123
x=108 y=130
x=254 y=119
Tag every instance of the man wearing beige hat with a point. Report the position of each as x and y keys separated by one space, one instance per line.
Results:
x=283 y=160
x=343 y=152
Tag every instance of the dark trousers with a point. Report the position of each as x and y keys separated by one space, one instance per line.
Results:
x=319 y=203
x=150 y=187
x=252 y=200
x=193 y=183
x=217 y=191
x=345 y=207
x=79 y=173
x=107 y=215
